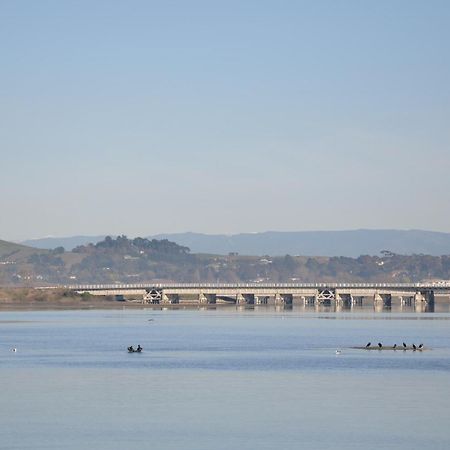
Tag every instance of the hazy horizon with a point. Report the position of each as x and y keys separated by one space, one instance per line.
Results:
x=226 y=234
x=223 y=118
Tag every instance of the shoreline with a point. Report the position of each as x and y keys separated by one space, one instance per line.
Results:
x=31 y=299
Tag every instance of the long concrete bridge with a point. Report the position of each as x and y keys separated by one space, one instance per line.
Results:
x=344 y=294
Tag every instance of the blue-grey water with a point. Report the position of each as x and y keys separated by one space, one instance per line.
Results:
x=223 y=379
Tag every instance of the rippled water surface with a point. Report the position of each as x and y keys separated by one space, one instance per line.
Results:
x=223 y=379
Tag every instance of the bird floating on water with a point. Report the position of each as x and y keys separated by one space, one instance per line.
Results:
x=368 y=345
x=14 y=349
x=414 y=347
x=338 y=351
x=420 y=346
x=404 y=345
x=395 y=346
x=380 y=345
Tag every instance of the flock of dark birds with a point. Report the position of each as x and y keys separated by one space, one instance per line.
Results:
x=135 y=350
x=405 y=347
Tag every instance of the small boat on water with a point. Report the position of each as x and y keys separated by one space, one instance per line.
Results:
x=133 y=350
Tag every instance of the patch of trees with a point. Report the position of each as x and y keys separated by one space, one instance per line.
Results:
x=134 y=260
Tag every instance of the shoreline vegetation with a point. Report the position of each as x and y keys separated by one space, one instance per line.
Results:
x=31 y=298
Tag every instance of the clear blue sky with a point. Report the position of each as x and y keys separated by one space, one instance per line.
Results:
x=222 y=117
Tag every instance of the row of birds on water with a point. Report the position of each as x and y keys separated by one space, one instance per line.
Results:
x=393 y=347
x=414 y=346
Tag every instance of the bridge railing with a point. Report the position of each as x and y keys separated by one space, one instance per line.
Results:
x=159 y=286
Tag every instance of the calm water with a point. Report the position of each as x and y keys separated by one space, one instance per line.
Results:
x=222 y=379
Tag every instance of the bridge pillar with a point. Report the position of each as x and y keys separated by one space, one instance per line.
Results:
x=173 y=298
x=406 y=300
x=429 y=297
x=211 y=298
x=418 y=297
x=357 y=300
x=309 y=300
x=261 y=299
x=426 y=297
x=382 y=301
x=345 y=300
x=164 y=298
x=283 y=299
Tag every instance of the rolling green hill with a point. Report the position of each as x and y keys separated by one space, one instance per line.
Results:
x=16 y=252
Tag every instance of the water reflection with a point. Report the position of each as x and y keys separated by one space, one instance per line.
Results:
x=339 y=308
x=324 y=307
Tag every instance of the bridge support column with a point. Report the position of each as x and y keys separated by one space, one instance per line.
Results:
x=309 y=300
x=426 y=297
x=164 y=298
x=173 y=298
x=406 y=300
x=418 y=297
x=284 y=299
x=344 y=300
x=357 y=300
x=429 y=297
x=382 y=301
x=210 y=298
x=261 y=299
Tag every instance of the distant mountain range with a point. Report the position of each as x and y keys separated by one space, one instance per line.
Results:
x=69 y=243
x=350 y=243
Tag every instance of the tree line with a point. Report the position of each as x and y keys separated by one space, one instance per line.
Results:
x=123 y=260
